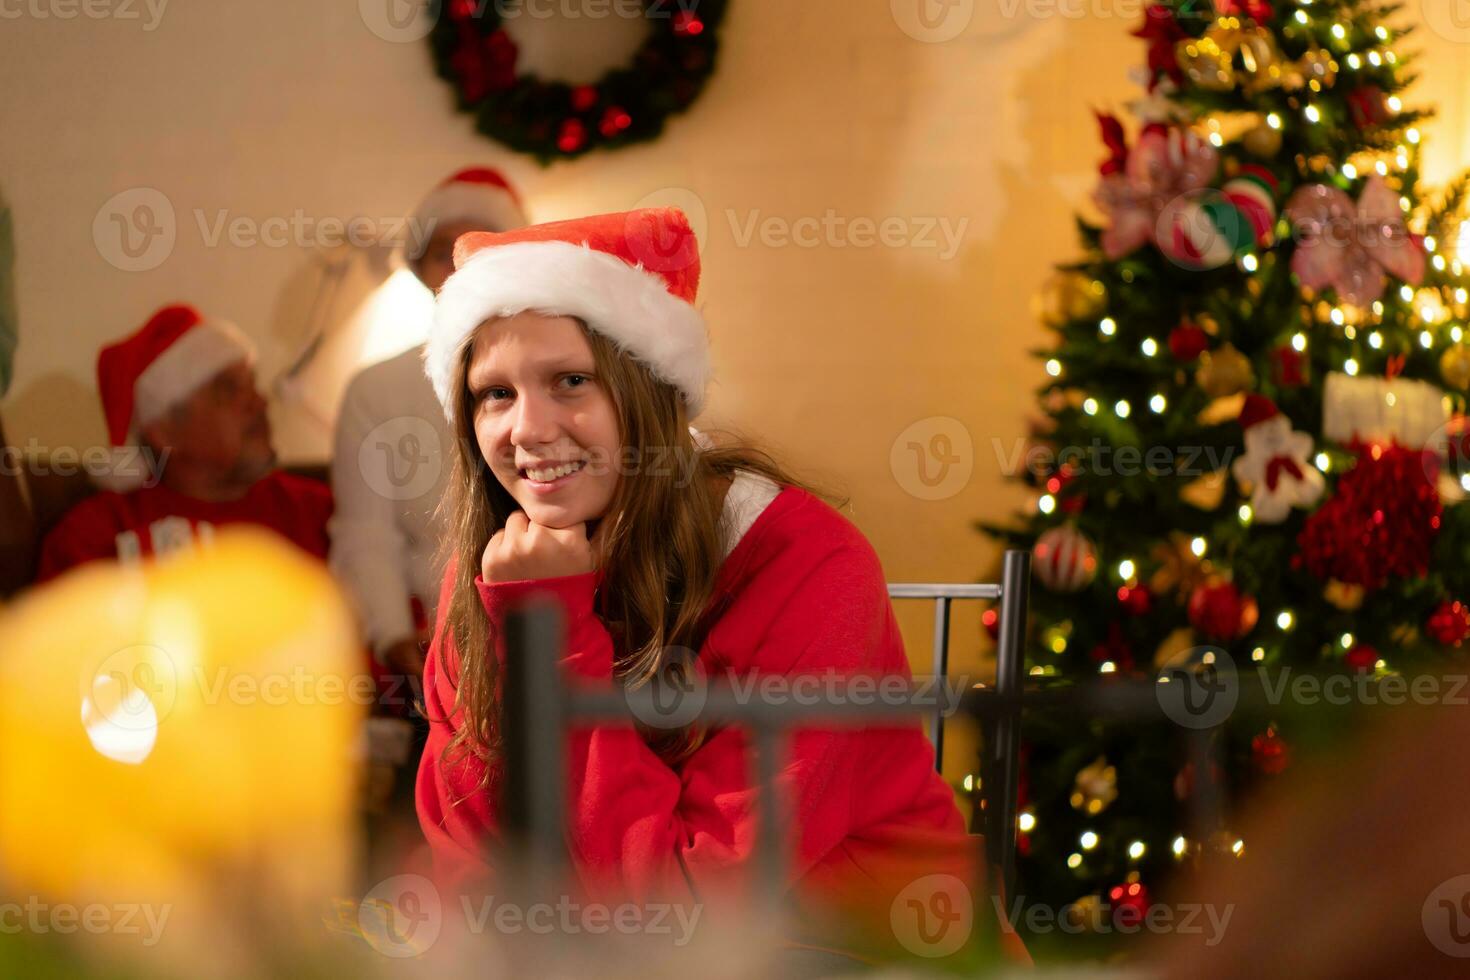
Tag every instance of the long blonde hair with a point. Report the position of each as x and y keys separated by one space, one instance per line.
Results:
x=660 y=548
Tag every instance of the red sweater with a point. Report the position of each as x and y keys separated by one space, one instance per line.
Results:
x=803 y=593
x=155 y=520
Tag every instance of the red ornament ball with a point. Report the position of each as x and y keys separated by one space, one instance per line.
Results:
x=1269 y=752
x=1188 y=341
x=1130 y=903
x=1219 y=611
x=1137 y=599
x=1449 y=623
x=1361 y=657
x=1064 y=559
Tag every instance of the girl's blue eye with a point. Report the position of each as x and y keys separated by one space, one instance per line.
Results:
x=581 y=377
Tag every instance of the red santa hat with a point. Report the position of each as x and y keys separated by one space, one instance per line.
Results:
x=1257 y=409
x=477 y=195
x=144 y=375
x=631 y=276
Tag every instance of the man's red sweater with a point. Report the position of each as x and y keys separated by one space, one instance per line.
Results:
x=801 y=593
x=155 y=520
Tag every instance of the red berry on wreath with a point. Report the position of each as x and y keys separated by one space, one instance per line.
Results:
x=688 y=24
x=1449 y=623
x=573 y=136
x=614 y=121
x=584 y=97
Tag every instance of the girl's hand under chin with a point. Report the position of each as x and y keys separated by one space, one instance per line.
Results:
x=526 y=550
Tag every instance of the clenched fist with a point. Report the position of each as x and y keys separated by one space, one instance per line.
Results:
x=525 y=550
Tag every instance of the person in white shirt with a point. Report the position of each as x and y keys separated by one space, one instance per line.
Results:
x=392 y=448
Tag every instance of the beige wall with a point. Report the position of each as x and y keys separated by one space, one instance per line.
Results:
x=271 y=106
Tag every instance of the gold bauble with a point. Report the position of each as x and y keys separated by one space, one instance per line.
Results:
x=1206 y=62
x=1180 y=569
x=1224 y=371
x=1205 y=493
x=1317 y=65
x=1258 y=61
x=1344 y=595
x=1174 y=651
x=1263 y=141
x=1068 y=296
x=1454 y=366
x=1095 y=787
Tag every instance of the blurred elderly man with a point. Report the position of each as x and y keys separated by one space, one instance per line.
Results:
x=393 y=446
x=193 y=450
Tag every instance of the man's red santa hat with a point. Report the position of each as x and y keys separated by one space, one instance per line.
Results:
x=631 y=276
x=147 y=373
x=480 y=196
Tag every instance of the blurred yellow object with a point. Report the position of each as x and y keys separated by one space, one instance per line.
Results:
x=181 y=728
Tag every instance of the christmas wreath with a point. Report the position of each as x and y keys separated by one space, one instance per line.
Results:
x=553 y=120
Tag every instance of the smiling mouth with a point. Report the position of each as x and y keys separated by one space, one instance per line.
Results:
x=550 y=474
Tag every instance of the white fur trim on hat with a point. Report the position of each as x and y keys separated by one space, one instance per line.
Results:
x=485 y=205
x=197 y=356
x=630 y=306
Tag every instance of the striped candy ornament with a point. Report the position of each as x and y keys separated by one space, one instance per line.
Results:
x=1064 y=559
x=1207 y=229
x=1253 y=192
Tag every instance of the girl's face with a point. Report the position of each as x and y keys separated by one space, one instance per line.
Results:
x=543 y=419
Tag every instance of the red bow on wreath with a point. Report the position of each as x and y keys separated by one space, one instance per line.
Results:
x=483 y=64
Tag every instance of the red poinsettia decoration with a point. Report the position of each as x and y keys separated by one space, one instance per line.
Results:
x=1162 y=32
x=1257 y=10
x=1115 y=141
x=1380 y=524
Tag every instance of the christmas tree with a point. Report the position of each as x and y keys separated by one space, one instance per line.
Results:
x=1253 y=419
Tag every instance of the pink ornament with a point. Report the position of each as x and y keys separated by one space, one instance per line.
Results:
x=1353 y=246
